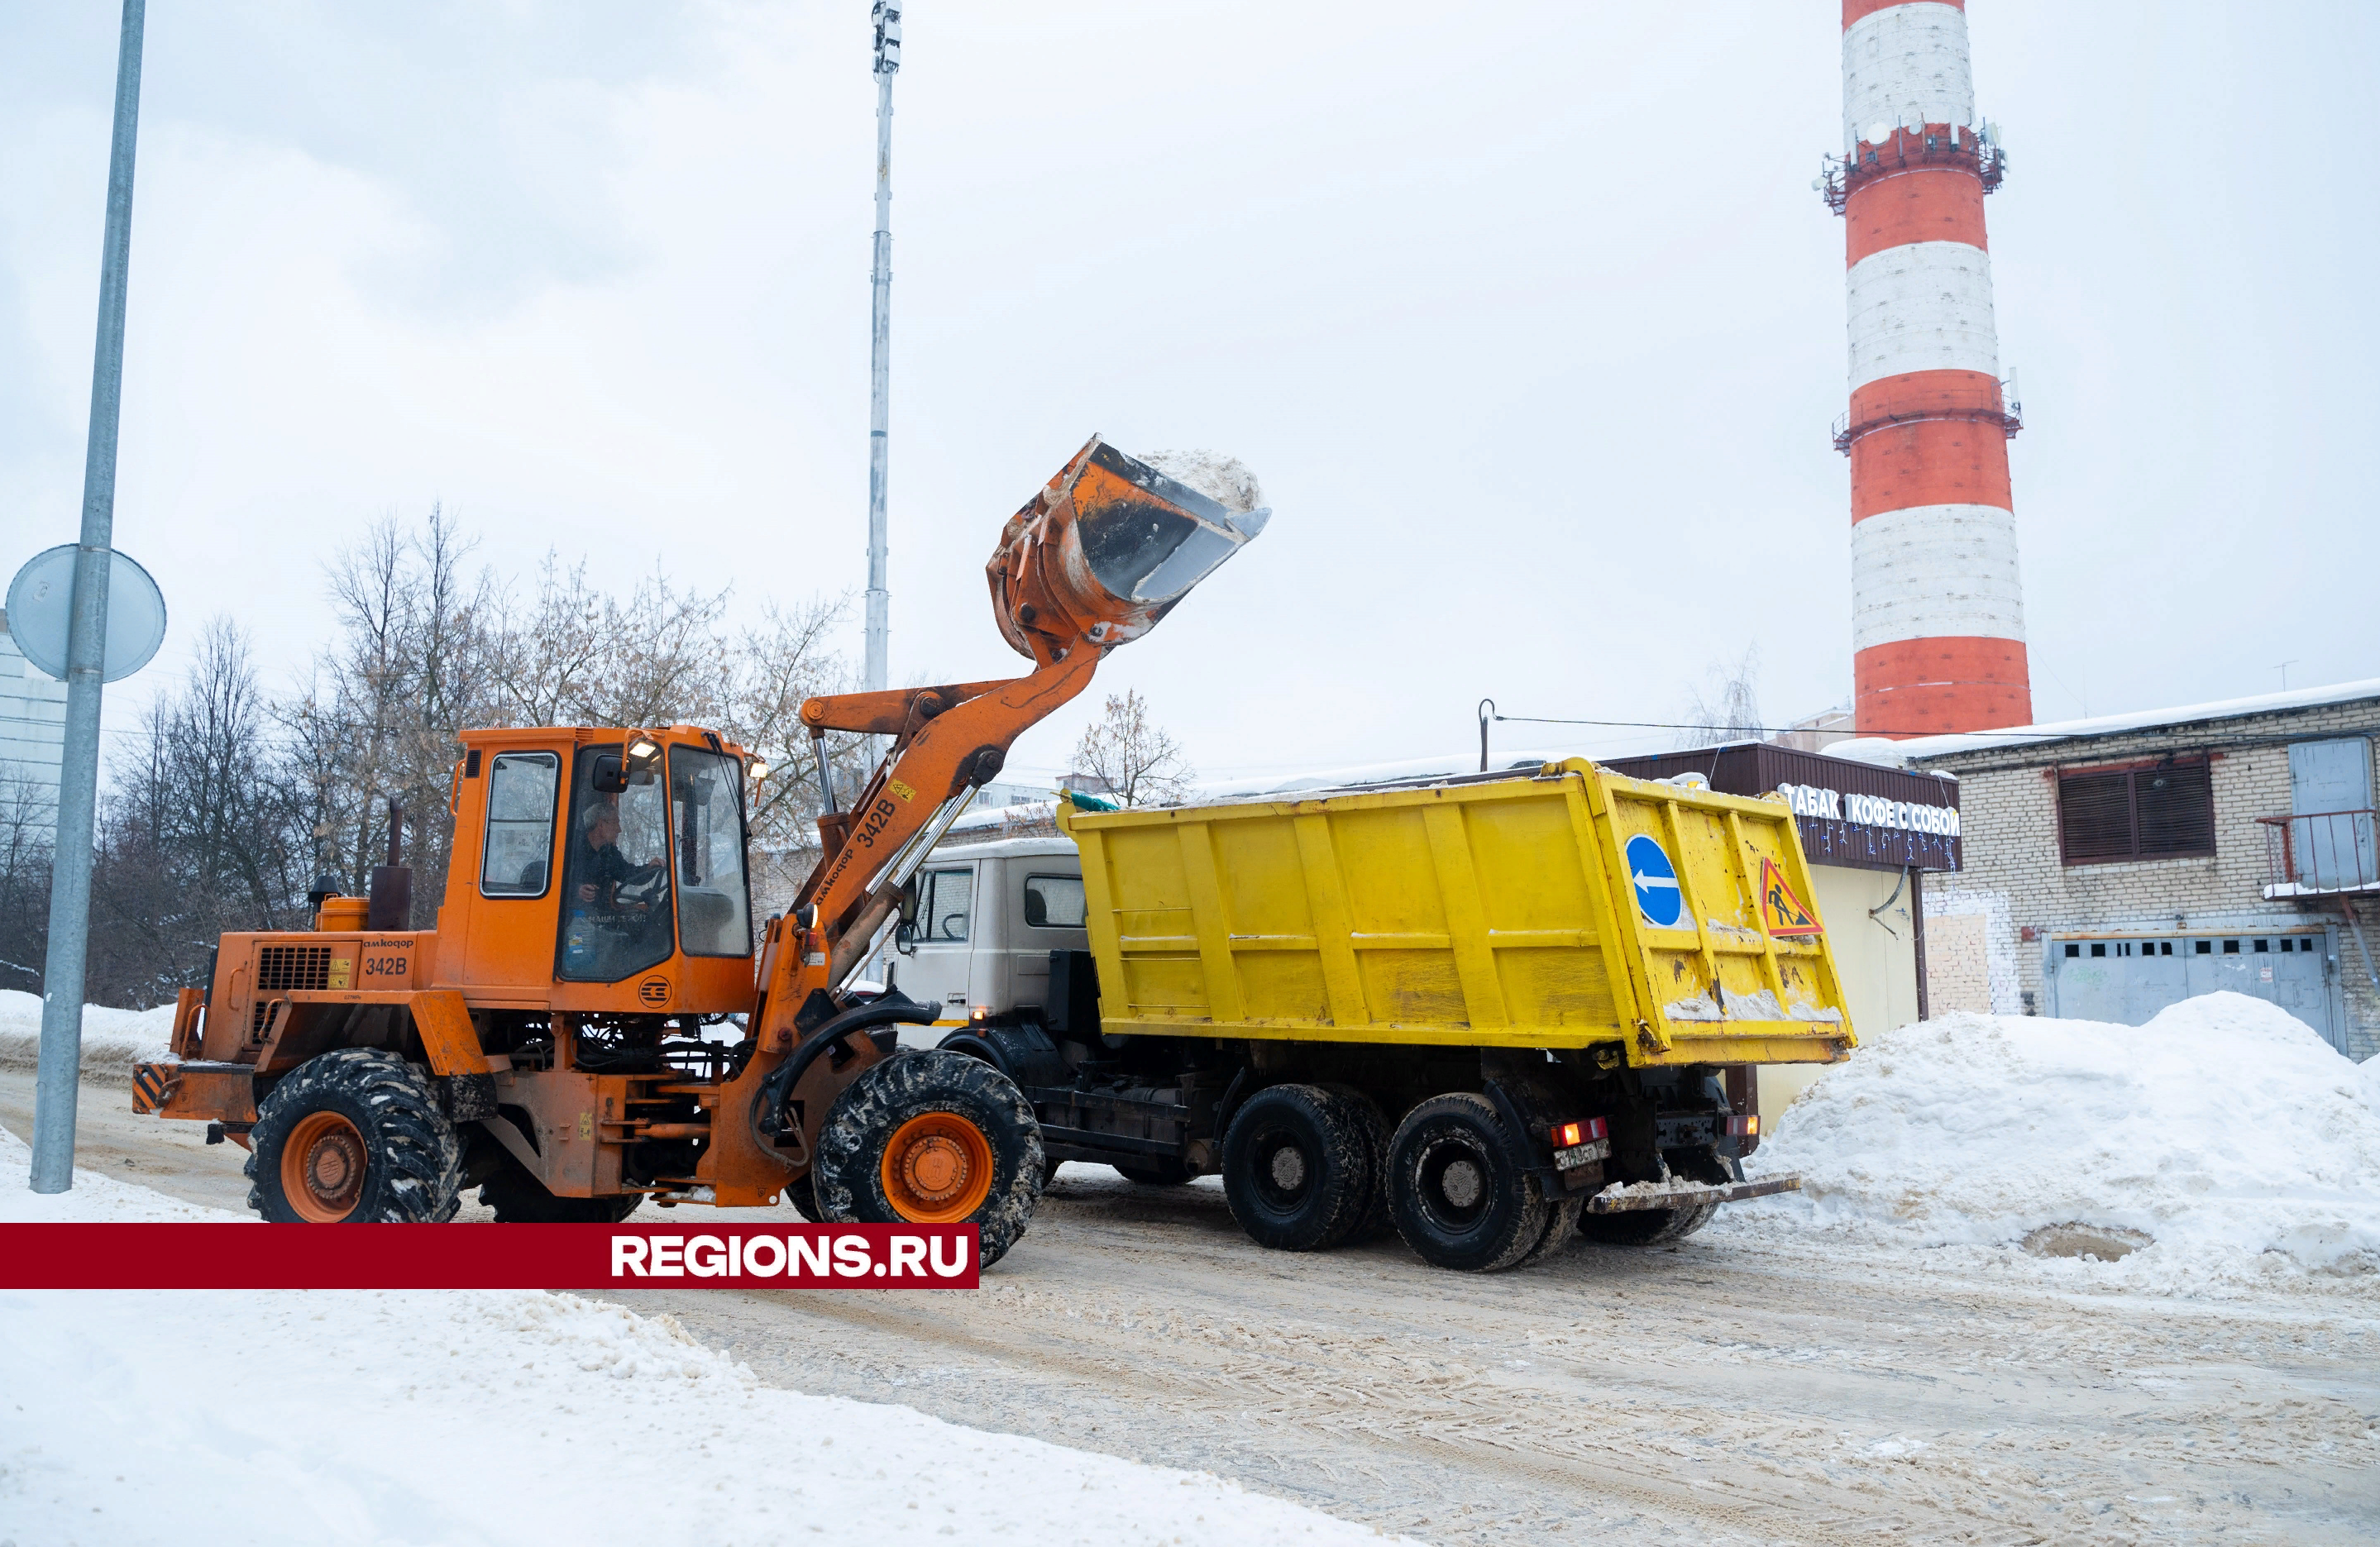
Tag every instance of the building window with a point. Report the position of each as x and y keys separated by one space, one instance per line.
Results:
x=2136 y=814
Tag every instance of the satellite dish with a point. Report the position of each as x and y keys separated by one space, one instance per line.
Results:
x=41 y=606
x=1878 y=133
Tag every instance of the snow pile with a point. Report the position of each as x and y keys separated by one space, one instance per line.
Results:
x=112 y=1040
x=489 y=1416
x=2226 y=1131
x=1224 y=480
x=93 y=1197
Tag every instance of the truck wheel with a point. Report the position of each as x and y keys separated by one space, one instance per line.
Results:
x=1457 y=1199
x=932 y=1137
x=1158 y=1171
x=353 y=1136
x=519 y=1198
x=1378 y=1131
x=1297 y=1168
x=1562 y=1232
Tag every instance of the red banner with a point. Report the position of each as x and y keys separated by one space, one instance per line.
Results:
x=237 y=1256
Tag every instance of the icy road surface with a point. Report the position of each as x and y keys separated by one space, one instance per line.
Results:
x=1753 y=1384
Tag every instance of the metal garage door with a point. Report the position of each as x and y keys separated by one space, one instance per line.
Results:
x=2129 y=978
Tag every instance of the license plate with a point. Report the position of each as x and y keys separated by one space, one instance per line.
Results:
x=1577 y=1155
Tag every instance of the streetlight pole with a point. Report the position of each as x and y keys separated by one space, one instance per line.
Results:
x=880 y=369
x=58 y=1079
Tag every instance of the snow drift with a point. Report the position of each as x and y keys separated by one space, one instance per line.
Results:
x=112 y=1040
x=2224 y=1130
x=489 y=1416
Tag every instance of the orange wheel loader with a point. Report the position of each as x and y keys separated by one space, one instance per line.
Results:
x=591 y=1024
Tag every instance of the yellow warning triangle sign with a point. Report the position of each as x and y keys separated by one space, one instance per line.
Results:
x=1785 y=914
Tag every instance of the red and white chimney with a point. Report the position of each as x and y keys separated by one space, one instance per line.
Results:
x=1937 y=615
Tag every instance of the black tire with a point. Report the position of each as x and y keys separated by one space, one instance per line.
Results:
x=865 y=1119
x=802 y=1197
x=1562 y=1232
x=1457 y=1197
x=1660 y=1226
x=1378 y=1131
x=1297 y=1168
x=371 y=1132
x=519 y=1198
x=1158 y=1171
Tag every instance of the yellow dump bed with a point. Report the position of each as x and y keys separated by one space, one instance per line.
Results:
x=1561 y=909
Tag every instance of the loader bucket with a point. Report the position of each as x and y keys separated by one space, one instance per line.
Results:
x=1105 y=550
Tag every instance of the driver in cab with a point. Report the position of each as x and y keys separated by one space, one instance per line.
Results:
x=603 y=873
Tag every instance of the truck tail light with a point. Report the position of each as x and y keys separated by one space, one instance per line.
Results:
x=1567 y=1134
x=1745 y=1127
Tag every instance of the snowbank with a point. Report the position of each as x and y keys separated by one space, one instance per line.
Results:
x=112 y=1040
x=501 y=1416
x=2225 y=1131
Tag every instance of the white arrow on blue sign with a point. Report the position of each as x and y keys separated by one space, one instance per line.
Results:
x=1656 y=879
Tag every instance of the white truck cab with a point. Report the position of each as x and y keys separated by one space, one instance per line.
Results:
x=987 y=916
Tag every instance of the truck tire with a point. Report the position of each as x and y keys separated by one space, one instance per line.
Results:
x=932 y=1137
x=354 y=1137
x=1378 y=1131
x=1457 y=1199
x=519 y=1198
x=1297 y=1168
x=1562 y=1232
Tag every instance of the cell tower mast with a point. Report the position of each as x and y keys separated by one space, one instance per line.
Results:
x=880 y=365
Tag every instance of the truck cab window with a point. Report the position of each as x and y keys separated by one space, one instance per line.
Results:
x=518 y=853
x=946 y=905
x=715 y=909
x=1054 y=901
x=616 y=881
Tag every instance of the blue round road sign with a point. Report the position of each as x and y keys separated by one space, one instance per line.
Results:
x=1656 y=880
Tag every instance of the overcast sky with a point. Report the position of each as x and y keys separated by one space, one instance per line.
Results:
x=1526 y=316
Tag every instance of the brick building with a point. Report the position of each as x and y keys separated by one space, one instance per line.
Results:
x=2113 y=866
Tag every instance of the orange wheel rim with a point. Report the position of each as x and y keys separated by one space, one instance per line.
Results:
x=936 y=1169
x=322 y=1165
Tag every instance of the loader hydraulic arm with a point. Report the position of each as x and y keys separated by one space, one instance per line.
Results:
x=1091 y=562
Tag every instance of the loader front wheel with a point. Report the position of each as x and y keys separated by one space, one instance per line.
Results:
x=354 y=1136
x=932 y=1137
x=1297 y=1168
x=1457 y=1196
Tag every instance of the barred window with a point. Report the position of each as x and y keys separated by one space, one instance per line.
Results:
x=2159 y=813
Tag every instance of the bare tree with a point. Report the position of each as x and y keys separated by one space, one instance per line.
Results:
x=1133 y=756
x=28 y=816
x=1727 y=706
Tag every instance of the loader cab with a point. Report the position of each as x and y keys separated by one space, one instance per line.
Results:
x=980 y=924
x=599 y=871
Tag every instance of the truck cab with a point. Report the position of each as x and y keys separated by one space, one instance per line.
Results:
x=984 y=920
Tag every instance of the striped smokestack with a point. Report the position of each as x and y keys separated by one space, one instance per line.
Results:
x=1937 y=616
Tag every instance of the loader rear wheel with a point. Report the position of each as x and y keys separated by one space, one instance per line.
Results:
x=519 y=1198
x=1458 y=1198
x=1297 y=1168
x=932 y=1137
x=354 y=1136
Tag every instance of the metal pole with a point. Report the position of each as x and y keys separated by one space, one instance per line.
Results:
x=1486 y=713
x=57 y=1082
x=879 y=335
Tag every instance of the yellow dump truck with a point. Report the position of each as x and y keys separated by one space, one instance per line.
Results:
x=1495 y=1013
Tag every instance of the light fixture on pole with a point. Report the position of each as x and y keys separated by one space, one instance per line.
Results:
x=878 y=668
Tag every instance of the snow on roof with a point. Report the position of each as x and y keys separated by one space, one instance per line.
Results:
x=1900 y=753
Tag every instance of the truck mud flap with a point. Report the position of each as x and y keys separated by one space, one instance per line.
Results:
x=1686 y=1194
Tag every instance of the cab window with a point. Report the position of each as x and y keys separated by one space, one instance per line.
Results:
x=945 y=904
x=518 y=853
x=616 y=913
x=1054 y=901
x=714 y=908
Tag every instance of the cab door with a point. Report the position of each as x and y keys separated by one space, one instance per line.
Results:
x=939 y=970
